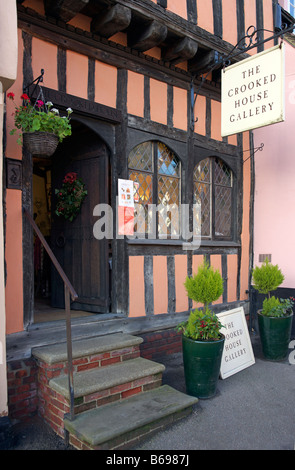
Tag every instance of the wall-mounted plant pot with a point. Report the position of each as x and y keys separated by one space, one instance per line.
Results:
x=42 y=144
x=275 y=335
x=202 y=361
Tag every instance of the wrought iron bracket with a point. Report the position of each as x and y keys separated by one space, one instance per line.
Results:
x=38 y=80
x=40 y=95
x=254 y=150
x=245 y=44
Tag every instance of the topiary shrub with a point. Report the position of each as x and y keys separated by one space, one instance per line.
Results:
x=204 y=287
x=267 y=278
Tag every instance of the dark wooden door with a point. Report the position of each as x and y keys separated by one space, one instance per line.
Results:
x=84 y=259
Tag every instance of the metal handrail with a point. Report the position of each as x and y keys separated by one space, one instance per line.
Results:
x=68 y=291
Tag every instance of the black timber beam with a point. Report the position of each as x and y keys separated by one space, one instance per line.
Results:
x=203 y=64
x=64 y=10
x=147 y=37
x=183 y=49
x=112 y=21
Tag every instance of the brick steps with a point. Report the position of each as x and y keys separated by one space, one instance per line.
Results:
x=104 y=350
x=121 y=424
x=118 y=381
x=109 y=376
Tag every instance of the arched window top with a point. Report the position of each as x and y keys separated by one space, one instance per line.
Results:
x=203 y=171
x=142 y=158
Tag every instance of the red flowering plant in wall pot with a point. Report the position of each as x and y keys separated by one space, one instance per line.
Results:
x=70 y=197
x=41 y=127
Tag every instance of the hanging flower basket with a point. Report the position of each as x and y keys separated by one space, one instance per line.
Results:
x=42 y=144
x=41 y=126
x=70 y=197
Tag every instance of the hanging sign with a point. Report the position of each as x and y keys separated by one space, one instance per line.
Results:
x=237 y=352
x=125 y=207
x=252 y=92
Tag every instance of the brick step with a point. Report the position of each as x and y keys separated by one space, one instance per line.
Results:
x=122 y=424
x=96 y=387
x=92 y=353
x=87 y=353
x=100 y=385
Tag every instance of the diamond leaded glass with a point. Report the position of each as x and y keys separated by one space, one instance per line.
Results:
x=222 y=173
x=213 y=189
x=202 y=171
x=142 y=161
x=222 y=211
x=202 y=198
x=141 y=157
x=168 y=204
x=168 y=164
x=144 y=195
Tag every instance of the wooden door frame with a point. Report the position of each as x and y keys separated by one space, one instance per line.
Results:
x=103 y=120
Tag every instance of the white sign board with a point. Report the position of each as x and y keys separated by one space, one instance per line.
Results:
x=237 y=352
x=252 y=92
x=125 y=193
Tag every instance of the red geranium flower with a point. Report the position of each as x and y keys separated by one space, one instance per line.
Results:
x=24 y=96
x=10 y=95
x=70 y=177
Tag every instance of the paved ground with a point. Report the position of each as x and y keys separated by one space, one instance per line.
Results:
x=253 y=410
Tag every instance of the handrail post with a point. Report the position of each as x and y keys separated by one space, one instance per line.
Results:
x=70 y=352
x=69 y=291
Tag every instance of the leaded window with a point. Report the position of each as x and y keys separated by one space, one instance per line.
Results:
x=213 y=189
x=156 y=172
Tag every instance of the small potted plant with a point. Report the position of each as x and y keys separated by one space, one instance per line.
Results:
x=275 y=317
x=41 y=126
x=202 y=341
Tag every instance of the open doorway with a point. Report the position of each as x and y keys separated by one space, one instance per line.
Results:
x=84 y=259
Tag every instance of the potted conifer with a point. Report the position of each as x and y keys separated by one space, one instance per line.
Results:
x=202 y=342
x=275 y=318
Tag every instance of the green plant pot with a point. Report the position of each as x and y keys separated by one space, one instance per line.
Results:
x=275 y=335
x=201 y=361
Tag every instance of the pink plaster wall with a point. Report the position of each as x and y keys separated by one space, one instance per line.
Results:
x=274 y=220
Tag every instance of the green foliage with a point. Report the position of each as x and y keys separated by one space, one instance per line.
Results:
x=274 y=307
x=270 y=303
x=70 y=197
x=206 y=286
x=40 y=118
x=201 y=325
x=267 y=277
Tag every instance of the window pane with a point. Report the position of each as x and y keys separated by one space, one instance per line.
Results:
x=222 y=173
x=141 y=157
x=202 y=171
x=168 y=205
x=223 y=204
x=168 y=164
x=144 y=195
x=202 y=197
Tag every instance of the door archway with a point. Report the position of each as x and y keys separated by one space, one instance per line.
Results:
x=84 y=259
